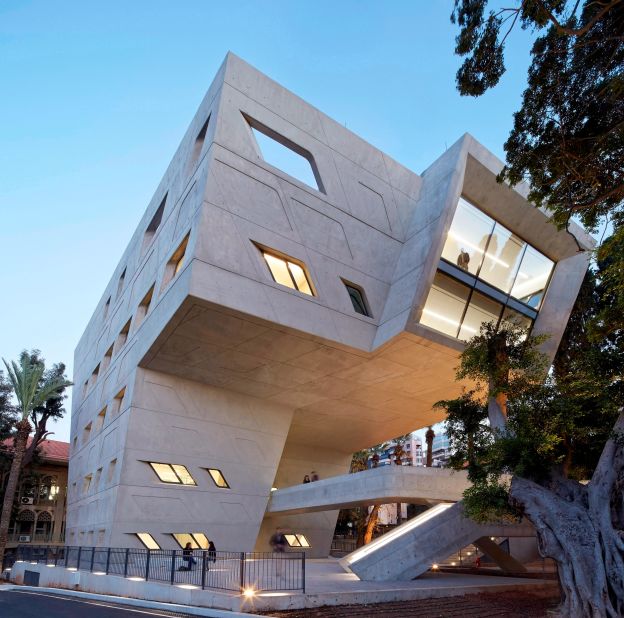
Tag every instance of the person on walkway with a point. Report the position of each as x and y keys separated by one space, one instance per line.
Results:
x=212 y=552
x=278 y=545
x=306 y=479
x=315 y=476
x=187 y=556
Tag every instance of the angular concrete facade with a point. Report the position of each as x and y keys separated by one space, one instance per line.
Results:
x=196 y=356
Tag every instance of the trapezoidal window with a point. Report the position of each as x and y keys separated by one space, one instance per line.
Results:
x=172 y=473
x=120 y=283
x=284 y=154
x=154 y=224
x=143 y=307
x=297 y=540
x=148 y=540
x=198 y=540
x=358 y=300
x=175 y=263
x=198 y=145
x=218 y=478
x=286 y=271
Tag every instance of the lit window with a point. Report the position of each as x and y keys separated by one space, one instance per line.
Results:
x=480 y=310
x=284 y=154
x=517 y=319
x=148 y=540
x=218 y=478
x=143 y=307
x=468 y=237
x=356 y=294
x=288 y=273
x=532 y=278
x=296 y=540
x=173 y=473
x=198 y=540
x=175 y=263
x=94 y=376
x=445 y=305
x=482 y=247
x=154 y=224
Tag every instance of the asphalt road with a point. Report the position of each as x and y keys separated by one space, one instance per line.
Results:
x=17 y=604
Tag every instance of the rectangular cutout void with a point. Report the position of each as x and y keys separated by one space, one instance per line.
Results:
x=284 y=154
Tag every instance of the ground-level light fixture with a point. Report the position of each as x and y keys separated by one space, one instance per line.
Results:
x=249 y=593
x=187 y=586
x=434 y=567
x=135 y=579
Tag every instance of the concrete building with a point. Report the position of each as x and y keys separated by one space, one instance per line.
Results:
x=41 y=498
x=440 y=451
x=269 y=319
x=412 y=454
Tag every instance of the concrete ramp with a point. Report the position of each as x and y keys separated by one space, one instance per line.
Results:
x=413 y=547
x=384 y=485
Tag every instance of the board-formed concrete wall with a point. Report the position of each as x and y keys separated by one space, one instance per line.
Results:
x=228 y=369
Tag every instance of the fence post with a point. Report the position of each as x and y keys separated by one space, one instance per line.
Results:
x=92 y=558
x=147 y=564
x=242 y=571
x=107 y=560
x=303 y=571
x=203 y=571
x=126 y=562
x=47 y=554
x=173 y=557
x=78 y=561
x=56 y=555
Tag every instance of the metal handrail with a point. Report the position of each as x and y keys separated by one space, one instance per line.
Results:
x=218 y=570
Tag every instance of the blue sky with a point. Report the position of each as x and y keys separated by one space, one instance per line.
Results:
x=97 y=95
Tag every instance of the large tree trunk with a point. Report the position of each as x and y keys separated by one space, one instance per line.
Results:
x=581 y=527
x=371 y=524
x=497 y=410
x=23 y=430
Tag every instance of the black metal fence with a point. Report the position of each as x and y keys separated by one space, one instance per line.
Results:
x=219 y=570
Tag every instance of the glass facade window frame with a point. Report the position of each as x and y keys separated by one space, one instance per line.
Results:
x=462 y=264
x=358 y=298
x=288 y=272
x=297 y=540
x=178 y=474
x=471 y=293
x=217 y=478
x=148 y=540
x=198 y=540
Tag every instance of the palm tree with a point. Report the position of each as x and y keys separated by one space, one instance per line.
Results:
x=32 y=388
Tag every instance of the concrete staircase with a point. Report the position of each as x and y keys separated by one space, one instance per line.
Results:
x=415 y=546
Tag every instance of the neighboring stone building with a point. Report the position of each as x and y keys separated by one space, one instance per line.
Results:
x=270 y=319
x=412 y=454
x=40 y=517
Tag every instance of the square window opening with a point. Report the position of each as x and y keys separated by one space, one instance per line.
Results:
x=284 y=154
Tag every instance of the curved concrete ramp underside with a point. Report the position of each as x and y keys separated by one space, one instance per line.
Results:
x=384 y=485
x=412 y=548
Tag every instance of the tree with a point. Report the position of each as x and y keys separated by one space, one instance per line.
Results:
x=429 y=436
x=556 y=434
x=32 y=387
x=567 y=139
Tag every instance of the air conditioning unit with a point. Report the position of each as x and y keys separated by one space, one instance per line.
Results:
x=25 y=500
x=23 y=538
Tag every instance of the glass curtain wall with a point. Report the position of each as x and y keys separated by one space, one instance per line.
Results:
x=486 y=249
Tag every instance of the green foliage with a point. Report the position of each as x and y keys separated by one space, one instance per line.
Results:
x=32 y=385
x=502 y=359
x=568 y=137
x=469 y=435
x=487 y=501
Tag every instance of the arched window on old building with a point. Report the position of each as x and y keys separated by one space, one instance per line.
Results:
x=43 y=527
